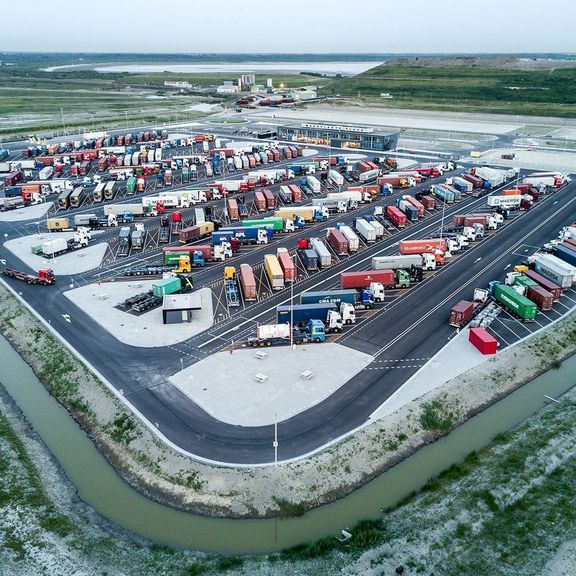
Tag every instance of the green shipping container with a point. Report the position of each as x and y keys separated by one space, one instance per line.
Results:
x=166 y=286
x=131 y=185
x=515 y=302
x=277 y=224
x=524 y=281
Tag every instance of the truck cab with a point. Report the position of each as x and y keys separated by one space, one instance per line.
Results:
x=377 y=289
x=184 y=264
x=321 y=214
x=314 y=331
x=478 y=230
x=223 y=251
x=46 y=275
x=335 y=320
x=469 y=232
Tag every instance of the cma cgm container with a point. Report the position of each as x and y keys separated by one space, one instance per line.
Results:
x=302 y=313
x=248 y=282
x=287 y=264
x=483 y=340
x=548 y=285
x=515 y=302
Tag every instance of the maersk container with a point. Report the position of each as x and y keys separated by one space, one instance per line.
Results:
x=329 y=297
x=302 y=313
x=351 y=237
x=515 y=302
x=548 y=285
x=365 y=230
x=323 y=254
x=555 y=269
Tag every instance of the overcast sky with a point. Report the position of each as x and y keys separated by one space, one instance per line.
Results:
x=289 y=26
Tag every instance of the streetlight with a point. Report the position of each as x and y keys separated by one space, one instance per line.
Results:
x=181 y=364
x=275 y=444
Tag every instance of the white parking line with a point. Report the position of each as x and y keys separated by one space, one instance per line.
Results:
x=508 y=328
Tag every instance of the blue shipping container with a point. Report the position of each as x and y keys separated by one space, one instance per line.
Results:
x=329 y=297
x=302 y=313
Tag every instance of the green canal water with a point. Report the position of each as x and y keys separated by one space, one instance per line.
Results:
x=100 y=487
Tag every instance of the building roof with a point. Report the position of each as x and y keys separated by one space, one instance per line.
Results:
x=191 y=301
x=365 y=130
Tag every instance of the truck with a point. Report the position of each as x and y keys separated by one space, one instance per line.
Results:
x=426 y=245
x=514 y=302
x=396 y=216
x=56 y=224
x=11 y=203
x=386 y=278
x=331 y=204
x=300 y=314
x=554 y=269
x=90 y=220
x=365 y=229
x=232 y=209
x=164 y=230
x=351 y=237
x=124 y=241
x=241 y=235
x=45 y=276
x=138 y=237
x=278 y=334
x=462 y=184
x=274 y=271
x=323 y=254
x=566 y=252
x=309 y=258
x=487 y=220
x=195 y=232
x=338 y=241
x=307 y=213
x=313 y=184
x=123 y=209
x=231 y=287
x=287 y=264
x=462 y=312
x=424 y=261
x=505 y=201
x=362 y=299
x=548 y=285
x=248 y=283
x=276 y=223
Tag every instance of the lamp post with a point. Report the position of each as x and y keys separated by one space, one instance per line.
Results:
x=275 y=444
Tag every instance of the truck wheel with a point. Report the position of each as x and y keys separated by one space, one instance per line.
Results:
x=348 y=321
x=261 y=344
x=317 y=340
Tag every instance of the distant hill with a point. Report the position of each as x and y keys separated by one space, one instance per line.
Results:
x=503 y=84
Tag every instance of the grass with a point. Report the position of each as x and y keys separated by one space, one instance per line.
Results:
x=464 y=88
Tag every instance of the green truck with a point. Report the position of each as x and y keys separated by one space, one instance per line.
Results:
x=277 y=224
x=131 y=185
x=524 y=281
x=515 y=302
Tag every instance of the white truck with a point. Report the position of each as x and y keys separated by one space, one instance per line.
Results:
x=273 y=175
x=331 y=204
x=351 y=237
x=424 y=261
x=323 y=254
x=314 y=184
x=46 y=173
x=335 y=177
x=366 y=230
x=505 y=201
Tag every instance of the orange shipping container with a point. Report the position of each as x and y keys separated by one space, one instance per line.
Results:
x=248 y=282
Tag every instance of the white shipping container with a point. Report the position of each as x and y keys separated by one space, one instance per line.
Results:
x=54 y=246
x=351 y=237
x=324 y=257
x=369 y=175
x=273 y=331
x=377 y=227
x=365 y=230
x=314 y=184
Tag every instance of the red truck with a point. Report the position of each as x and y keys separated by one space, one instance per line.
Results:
x=270 y=199
x=396 y=216
x=248 y=282
x=363 y=279
x=462 y=313
x=13 y=178
x=422 y=246
x=338 y=241
x=287 y=264
x=45 y=276
x=296 y=192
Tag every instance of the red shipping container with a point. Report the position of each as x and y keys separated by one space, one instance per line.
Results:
x=296 y=192
x=397 y=217
x=232 y=206
x=364 y=278
x=418 y=205
x=338 y=241
x=248 y=282
x=485 y=342
x=429 y=202
x=13 y=178
x=422 y=246
x=476 y=182
x=287 y=264
x=260 y=201
x=569 y=243
x=548 y=285
x=270 y=199
x=541 y=297
x=287 y=153
x=461 y=313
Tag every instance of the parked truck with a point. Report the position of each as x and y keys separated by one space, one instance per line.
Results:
x=514 y=302
x=545 y=283
x=287 y=264
x=426 y=245
x=423 y=261
x=283 y=334
x=301 y=314
x=45 y=276
x=365 y=229
x=346 y=301
x=554 y=269
x=307 y=213
x=323 y=254
x=387 y=278
x=248 y=283
x=274 y=272
x=351 y=237
x=195 y=232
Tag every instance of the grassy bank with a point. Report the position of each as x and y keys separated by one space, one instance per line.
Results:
x=463 y=88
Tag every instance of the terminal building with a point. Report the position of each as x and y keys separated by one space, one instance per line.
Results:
x=347 y=137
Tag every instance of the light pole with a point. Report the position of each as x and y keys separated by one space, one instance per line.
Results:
x=275 y=444
x=292 y=314
x=181 y=364
x=442 y=221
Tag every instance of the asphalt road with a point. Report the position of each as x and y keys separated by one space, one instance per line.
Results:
x=413 y=325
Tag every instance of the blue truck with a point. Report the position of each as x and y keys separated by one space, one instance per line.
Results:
x=244 y=234
x=303 y=313
x=360 y=299
x=278 y=334
x=309 y=259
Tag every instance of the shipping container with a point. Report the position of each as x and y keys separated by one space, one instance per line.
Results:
x=296 y=193
x=260 y=201
x=429 y=202
x=270 y=199
x=274 y=272
x=302 y=313
x=461 y=313
x=338 y=241
x=422 y=246
x=363 y=279
x=166 y=286
x=396 y=216
x=323 y=254
x=232 y=209
x=248 y=282
x=309 y=259
x=287 y=264
x=515 y=302
x=351 y=238
x=548 y=285
x=483 y=340
x=541 y=297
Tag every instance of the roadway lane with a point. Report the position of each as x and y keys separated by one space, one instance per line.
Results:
x=142 y=375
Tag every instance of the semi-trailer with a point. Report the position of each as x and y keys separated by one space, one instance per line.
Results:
x=410 y=211
x=418 y=205
x=351 y=237
x=566 y=253
x=426 y=245
x=396 y=216
x=462 y=313
x=277 y=224
x=387 y=278
x=545 y=283
x=504 y=201
x=45 y=276
x=365 y=229
x=309 y=258
x=274 y=271
x=338 y=241
x=378 y=227
x=301 y=314
x=323 y=254
x=424 y=261
x=279 y=334
x=307 y=213
x=248 y=282
x=331 y=204
x=195 y=232
x=287 y=264
x=541 y=297
x=243 y=235
x=171 y=254
x=554 y=269
x=514 y=302
x=362 y=299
